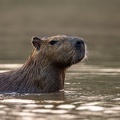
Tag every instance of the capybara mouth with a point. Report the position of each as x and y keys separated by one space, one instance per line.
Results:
x=77 y=56
x=80 y=52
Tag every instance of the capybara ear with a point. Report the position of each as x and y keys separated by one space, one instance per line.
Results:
x=36 y=42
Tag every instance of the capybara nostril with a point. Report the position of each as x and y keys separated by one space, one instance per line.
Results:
x=79 y=43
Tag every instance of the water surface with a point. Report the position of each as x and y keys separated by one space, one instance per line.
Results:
x=91 y=92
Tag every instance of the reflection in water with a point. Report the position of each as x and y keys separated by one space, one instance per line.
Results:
x=17 y=101
x=9 y=66
x=91 y=92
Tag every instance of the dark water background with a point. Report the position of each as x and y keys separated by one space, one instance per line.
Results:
x=92 y=88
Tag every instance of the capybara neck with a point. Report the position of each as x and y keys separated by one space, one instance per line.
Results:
x=44 y=71
x=46 y=76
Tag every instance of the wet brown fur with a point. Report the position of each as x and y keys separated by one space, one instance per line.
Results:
x=44 y=71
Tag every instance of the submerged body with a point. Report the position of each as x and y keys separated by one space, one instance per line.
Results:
x=44 y=71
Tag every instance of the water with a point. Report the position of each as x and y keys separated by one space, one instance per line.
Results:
x=91 y=92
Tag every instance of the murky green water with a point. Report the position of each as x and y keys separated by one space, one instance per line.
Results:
x=91 y=93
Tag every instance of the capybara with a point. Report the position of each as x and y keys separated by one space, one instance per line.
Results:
x=44 y=71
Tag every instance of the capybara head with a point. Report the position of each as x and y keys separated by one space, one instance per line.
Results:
x=62 y=51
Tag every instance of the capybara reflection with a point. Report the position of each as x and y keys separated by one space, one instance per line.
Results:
x=44 y=71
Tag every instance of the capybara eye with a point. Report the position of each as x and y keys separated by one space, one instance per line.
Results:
x=52 y=42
